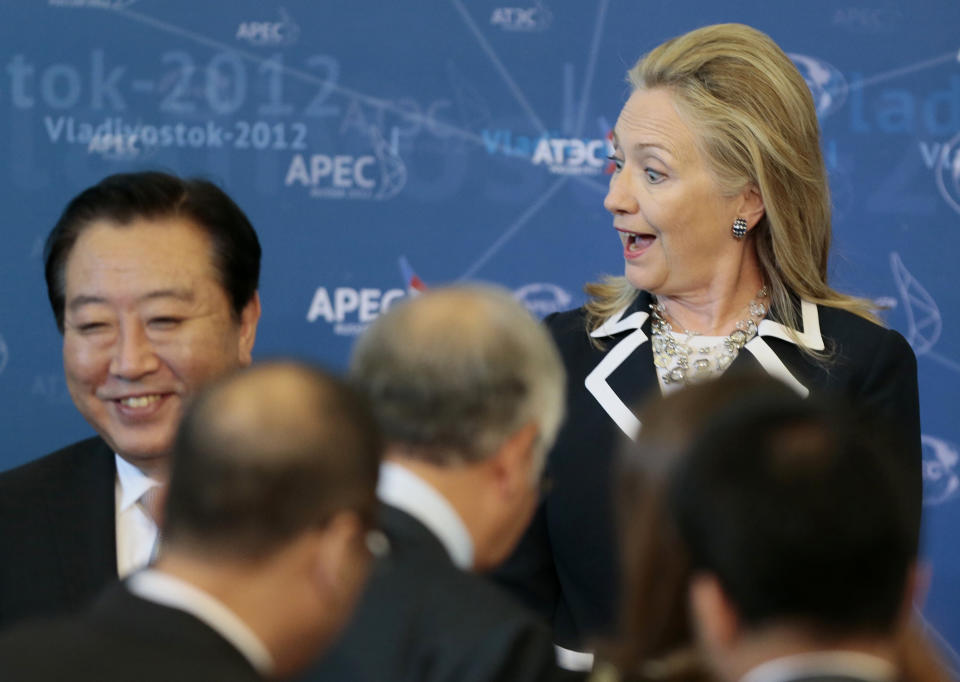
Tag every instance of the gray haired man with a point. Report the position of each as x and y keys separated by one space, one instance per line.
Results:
x=468 y=390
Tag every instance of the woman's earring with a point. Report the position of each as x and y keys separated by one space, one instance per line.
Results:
x=739 y=228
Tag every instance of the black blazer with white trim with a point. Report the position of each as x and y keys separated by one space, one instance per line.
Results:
x=566 y=565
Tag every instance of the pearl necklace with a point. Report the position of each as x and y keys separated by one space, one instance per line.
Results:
x=685 y=364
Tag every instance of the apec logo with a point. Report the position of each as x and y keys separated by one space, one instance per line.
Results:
x=940 y=480
x=350 y=310
x=269 y=33
x=826 y=83
x=868 y=19
x=375 y=177
x=542 y=298
x=528 y=19
x=561 y=155
x=572 y=156
x=343 y=176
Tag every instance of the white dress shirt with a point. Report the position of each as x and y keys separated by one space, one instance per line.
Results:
x=136 y=532
x=823 y=663
x=167 y=590
x=401 y=488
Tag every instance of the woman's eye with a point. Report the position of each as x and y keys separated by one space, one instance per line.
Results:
x=653 y=176
x=616 y=161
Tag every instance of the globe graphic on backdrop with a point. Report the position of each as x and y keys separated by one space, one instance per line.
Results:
x=940 y=480
x=393 y=171
x=826 y=83
x=948 y=173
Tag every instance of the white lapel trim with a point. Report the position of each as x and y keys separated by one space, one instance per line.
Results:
x=596 y=381
x=614 y=325
x=769 y=360
x=623 y=416
x=810 y=336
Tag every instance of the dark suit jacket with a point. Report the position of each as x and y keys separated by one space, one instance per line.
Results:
x=58 y=545
x=122 y=638
x=421 y=619
x=566 y=565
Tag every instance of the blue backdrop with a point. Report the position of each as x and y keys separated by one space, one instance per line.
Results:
x=466 y=139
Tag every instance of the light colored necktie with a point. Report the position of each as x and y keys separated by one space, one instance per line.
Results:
x=152 y=503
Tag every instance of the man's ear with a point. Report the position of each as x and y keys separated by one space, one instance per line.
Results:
x=512 y=465
x=249 y=317
x=334 y=552
x=715 y=619
x=916 y=586
x=751 y=208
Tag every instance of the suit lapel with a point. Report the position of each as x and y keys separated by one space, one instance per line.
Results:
x=82 y=513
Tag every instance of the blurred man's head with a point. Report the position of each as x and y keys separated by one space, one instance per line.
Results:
x=153 y=283
x=797 y=520
x=467 y=387
x=271 y=495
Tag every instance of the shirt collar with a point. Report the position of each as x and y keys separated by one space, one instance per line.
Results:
x=167 y=590
x=401 y=488
x=628 y=318
x=133 y=483
x=853 y=664
x=634 y=315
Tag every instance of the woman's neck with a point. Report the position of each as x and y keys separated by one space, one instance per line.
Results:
x=715 y=309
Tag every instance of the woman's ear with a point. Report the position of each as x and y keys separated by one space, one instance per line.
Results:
x=752 y=208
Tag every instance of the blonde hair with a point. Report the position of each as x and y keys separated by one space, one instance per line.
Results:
x=756 y=124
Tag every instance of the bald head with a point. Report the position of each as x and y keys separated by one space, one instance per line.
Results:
x=265 y=453
x=455 y=371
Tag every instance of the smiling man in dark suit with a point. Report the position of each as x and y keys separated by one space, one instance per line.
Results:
x=153 y=283
x=271 y=499
x=467 y=388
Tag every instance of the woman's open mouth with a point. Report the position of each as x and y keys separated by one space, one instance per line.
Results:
x=635 y=244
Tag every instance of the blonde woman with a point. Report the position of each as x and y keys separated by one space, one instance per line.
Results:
x=721 y=204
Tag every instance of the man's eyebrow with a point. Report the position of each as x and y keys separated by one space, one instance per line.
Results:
x=82 y=300
x=180 y=294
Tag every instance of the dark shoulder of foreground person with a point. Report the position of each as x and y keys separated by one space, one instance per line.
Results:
x=487 y=636
x=39 y=469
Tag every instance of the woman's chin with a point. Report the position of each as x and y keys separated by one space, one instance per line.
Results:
x=641 y=278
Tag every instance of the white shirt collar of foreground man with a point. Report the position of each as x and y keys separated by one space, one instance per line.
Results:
x=851 y=664
x=168 y=590
x=401 y=488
